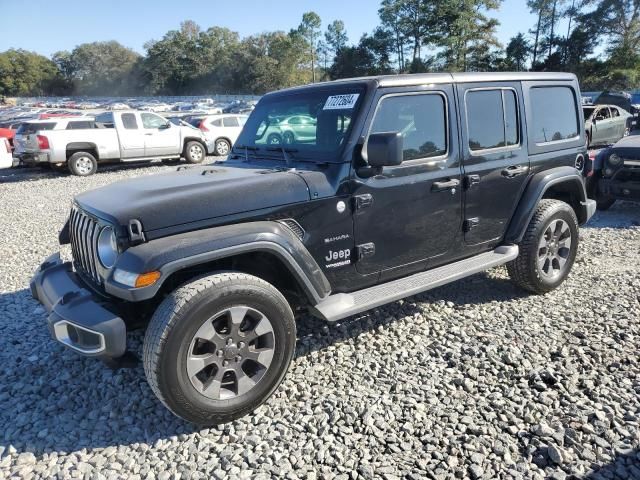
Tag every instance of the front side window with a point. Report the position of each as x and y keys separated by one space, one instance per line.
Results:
x=554 y=112
x=420 y=119
x=129 y=121
x=492 y=119
x=151 y=121
x=217 y=123
x=603 y=114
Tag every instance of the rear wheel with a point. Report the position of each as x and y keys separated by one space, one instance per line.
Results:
x=548 y=248
x=222 y=147
x=194 y=152
x=82 y=164
x=218 y=347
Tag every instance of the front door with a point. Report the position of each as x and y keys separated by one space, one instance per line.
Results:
x=495 y=162
x=410 y=214
x=603 y=131
x=161 y=136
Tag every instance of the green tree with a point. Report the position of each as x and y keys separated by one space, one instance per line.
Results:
x=336 y=36
x=99 y=68
x=372 y=56
x=309 y=29
x=389 y=13
x=24 y=73
x=517 y=52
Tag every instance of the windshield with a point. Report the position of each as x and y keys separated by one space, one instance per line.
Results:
x=312 y=123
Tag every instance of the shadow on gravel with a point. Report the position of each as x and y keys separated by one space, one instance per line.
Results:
x=52 y=399
x=624 y=466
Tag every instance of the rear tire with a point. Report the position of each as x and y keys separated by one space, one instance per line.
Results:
x=82 y=164
x=222 y=147
x=548 y=248
x=218 y=347
x=195 y=152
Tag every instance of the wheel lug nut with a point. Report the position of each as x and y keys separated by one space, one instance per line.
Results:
x=241 y=345
x=238 y=358
x=219 y=353
x=229 y=341
x=225 y=363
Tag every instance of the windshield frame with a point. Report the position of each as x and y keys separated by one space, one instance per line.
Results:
x=337 y=155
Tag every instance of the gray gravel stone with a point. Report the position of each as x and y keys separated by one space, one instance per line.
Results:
x=472 y=380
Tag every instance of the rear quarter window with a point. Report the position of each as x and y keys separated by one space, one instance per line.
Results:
x=83 y=125
x=554 y=111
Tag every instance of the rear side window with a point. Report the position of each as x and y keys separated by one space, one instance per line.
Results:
x=420 y=119
x=554 y=112
x=80 y=125
x=492 y=119
x=129 y=121
x=31 y=128
x=105 y=120
x=230 y=122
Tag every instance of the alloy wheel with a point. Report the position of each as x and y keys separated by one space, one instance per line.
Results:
x=554 y=248
x=196 y=152
x=230 y=353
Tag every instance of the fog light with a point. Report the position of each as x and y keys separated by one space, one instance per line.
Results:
x=608 y=172
x=614 y=159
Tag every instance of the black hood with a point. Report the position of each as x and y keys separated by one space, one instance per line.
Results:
x=193 y=194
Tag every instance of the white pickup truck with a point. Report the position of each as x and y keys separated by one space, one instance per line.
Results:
x=113 y=136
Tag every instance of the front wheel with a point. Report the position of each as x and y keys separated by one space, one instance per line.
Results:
x=548 y=248
x=194 y=152
x=218 y=347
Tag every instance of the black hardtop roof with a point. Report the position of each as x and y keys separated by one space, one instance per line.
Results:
x=415 y=79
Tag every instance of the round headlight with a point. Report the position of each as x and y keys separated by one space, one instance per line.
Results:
x=614 y=159
x=107 y=247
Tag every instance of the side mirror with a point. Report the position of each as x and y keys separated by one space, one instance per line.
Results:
x=165 y=126
x=384 y=149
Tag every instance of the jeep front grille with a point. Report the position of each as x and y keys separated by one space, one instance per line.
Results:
x=83 y=232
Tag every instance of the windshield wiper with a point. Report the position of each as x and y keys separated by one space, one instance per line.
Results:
x=285 y=153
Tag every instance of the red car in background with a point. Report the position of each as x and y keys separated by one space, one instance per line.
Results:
x=8 y=130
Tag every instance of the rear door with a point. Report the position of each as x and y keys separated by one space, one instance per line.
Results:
x=132 y=136
x=495 y=162
x=603 y=127
x=232 y=128
x=161 y=136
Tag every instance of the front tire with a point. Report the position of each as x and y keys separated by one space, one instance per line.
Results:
x=194 y=152
x=548 y=248
x=218 y=347
x=82 y=164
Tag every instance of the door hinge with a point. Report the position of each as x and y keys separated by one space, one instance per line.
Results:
x=471 y=180
x=363 y=201
x=470 y=223
x=366 y=250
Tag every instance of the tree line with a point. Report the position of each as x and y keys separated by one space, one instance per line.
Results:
x=599 y=40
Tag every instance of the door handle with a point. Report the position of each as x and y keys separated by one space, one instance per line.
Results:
x=514 y=171
x=148 y=134
x=445 y=185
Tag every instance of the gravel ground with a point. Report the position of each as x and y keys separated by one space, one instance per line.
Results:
x=475 y=379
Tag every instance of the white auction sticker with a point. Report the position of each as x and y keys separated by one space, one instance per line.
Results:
x=341 y=102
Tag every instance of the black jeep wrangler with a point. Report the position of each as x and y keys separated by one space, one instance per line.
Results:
x=337 y=198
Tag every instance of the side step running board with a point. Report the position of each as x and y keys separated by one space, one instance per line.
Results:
x=342 y=305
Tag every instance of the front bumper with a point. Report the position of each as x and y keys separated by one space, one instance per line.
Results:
x=619 y=189
x=78 y=318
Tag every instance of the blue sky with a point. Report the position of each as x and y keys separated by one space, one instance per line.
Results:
x=46 y=26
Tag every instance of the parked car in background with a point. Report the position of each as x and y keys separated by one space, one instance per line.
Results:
x=605 y=124
x=8 y=130
x=221 y=131
x=6 y=156
x=615 y=173
x=289 y=130
x=627 y=101
x=114 y=136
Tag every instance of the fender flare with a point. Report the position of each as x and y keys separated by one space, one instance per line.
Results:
x=82 y=146
x=174 y=253
x=565 y=178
